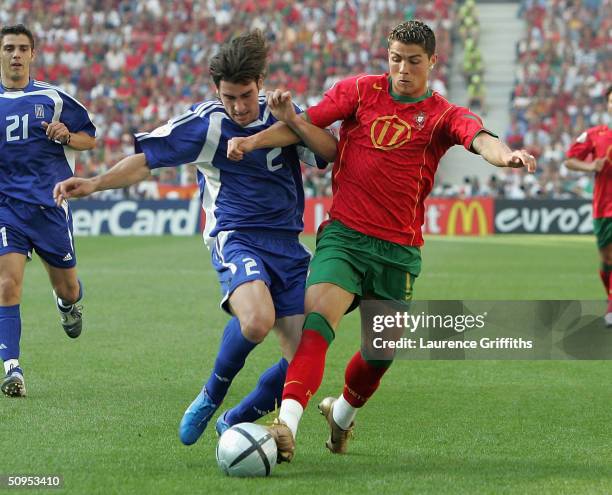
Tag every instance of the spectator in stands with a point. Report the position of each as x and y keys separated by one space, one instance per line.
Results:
x=472 y=61
x=476 y=94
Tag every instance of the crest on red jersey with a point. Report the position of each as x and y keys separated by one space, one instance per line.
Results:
x=419 y=120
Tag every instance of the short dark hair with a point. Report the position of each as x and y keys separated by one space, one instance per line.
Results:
x=414 y=33
x=241 y=60
x=17 y=29
x=608 y=92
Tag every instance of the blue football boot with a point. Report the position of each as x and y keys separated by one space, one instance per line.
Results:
x=221 y=425
x=196 y=418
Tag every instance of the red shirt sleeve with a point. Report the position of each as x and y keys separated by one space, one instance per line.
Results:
x=340 y=102
x=463 y=126
x=582 y=147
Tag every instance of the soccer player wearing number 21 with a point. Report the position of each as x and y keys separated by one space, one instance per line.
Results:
x=253 y=217
x=41 y=127
x=592 y=152
x=394 y=132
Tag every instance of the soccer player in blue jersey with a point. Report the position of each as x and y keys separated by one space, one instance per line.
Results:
x=254 y=213
x=41 y=127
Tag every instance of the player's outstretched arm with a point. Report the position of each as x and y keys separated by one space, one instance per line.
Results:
x=57 y=131
x=275 y=136
x=130 y=170
x=582 y=166
x=291 y=129
x=318 y=140
x=497 y=153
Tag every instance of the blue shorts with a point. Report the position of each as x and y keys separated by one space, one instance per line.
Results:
x=48 y=230
x=279 y=259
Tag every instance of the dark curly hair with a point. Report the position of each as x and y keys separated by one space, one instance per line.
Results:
x=414 y=33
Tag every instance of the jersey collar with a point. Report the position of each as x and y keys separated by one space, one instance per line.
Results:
x=407 y=99
x=15 y=90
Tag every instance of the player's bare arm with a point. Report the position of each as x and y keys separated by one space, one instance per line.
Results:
x=582 y=166
x=291 y=129
x=275 y=136
x=317 y=139
x=130 y=170
x=499 y=154
x=57 y=131
x=280 y=135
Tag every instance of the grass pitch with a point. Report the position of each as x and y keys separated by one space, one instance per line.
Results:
x=103 y=411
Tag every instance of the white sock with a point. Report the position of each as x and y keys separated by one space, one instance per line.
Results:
x=343 y=413
x=62 y=306
x=291 y=412
x=10 y=363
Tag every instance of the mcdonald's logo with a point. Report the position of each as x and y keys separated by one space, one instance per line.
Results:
x=473 y=218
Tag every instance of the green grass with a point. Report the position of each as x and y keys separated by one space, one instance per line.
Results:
x=103 y=410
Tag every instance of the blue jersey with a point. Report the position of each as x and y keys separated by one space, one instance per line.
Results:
x=262 y=191
x=31 y=164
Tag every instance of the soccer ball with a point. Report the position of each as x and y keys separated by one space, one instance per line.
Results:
x=246 y=450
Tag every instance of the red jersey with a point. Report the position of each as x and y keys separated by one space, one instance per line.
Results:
x=596 y=142
x=388 y=153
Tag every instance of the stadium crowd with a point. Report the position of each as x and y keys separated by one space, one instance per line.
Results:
x=564 y=66
x=135 y=63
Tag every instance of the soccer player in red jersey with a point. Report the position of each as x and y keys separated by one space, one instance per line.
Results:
x=592 y=152
x=394 y=132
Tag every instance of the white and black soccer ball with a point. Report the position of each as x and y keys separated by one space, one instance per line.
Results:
x=246 y=450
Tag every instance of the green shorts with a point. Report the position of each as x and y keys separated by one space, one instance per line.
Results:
x=603 y=231
x=364 y=265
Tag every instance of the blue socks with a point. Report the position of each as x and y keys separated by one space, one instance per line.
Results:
x=230 y=360
x=10 y=332
x=263 y=399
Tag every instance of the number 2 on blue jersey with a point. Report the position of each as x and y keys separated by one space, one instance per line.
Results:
x=249 y=264
x=270 y=156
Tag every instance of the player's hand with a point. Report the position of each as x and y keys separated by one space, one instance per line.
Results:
x=56 y=131
x=75 y=187
x=520 y=159
x=281 y=105
x=599 y=164
x=237 y=147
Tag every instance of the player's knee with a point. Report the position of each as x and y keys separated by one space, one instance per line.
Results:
x=322 y=307
x=10 y=290
x=257 y=325
x=329 y=300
